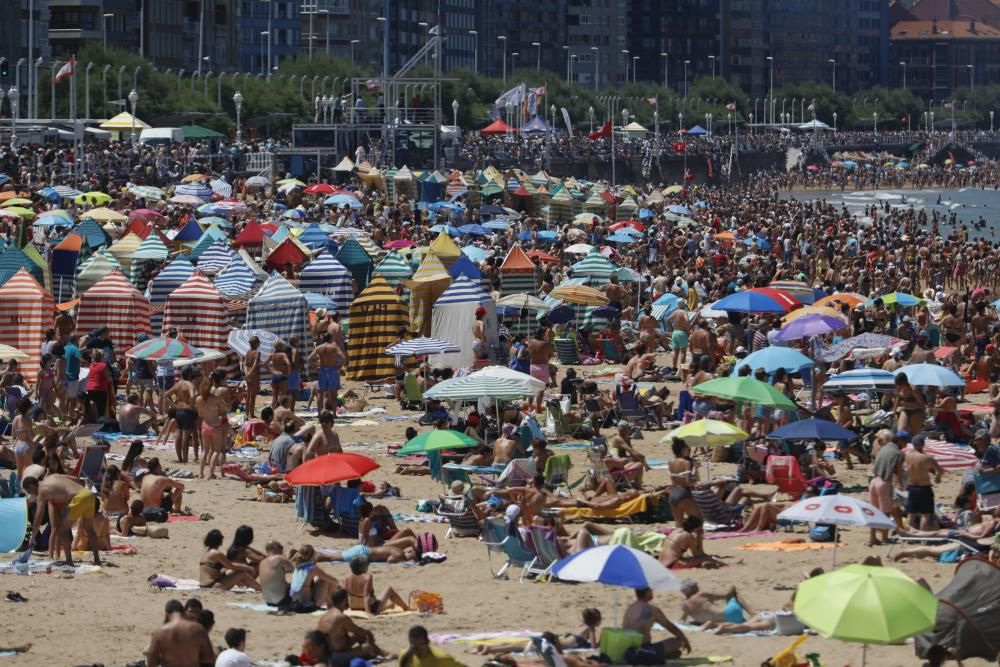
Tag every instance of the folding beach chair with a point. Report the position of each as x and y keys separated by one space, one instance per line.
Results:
x=599 y=469
x=462 y=521
x=713 y=510
x=564 y=426
x=784 y=472
x=964 y=549
x=557 y=473
x=519 y=472
x=90 y=466
x=631 y=410
x=345 y=512
x=499 y=542
x=611 y=353
x=566 y=351
x=548 y=551
x=413 y=397
x=987 y=491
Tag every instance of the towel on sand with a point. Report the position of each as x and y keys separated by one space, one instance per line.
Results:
x=634 y=506
x=786 y=545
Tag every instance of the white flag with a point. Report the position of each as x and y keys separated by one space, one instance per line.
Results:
x=514 y=96
x=569 y=125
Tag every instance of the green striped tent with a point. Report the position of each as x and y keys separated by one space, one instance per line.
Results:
x=150 y=251
x=594 y=266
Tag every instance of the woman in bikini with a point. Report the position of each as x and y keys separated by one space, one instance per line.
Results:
x=24 y=435
x=240 y=550
x=683 y=478
x=114 y=492
x=690 y=538
x=909 y=406
x=586 y=637
x=251 y=372
x=310 y=584
x=372 y=534
x=360 y=587
x=217 y=571
x=211 y=409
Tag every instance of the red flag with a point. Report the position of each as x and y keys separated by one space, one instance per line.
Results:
x=905 y=119
x=679 y=147
x=708 y=161
x=605 y=131
x=69 y=69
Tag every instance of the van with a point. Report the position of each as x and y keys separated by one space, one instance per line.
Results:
x=162 y=135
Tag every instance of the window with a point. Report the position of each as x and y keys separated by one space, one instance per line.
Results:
x=221 y=15
x=585 y=19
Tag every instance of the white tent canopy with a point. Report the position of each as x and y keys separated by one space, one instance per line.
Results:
x=452 y=318
x=815 y=125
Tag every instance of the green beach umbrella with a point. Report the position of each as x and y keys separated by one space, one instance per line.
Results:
x=436 y=440
x=745 y=390
x=866 y=604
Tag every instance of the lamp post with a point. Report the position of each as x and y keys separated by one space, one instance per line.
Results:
x=686 y=63
x=875 y=120
x=121 y=72
x=34 y=91
x=834 y=121
x=238 y=103
x=324 y=103
x=538 y=56
x=104 y=86
x=752 y=130
x=104 y=22
x=17 y=72
x=263 y=50
x=569 y=66
x=503 y=38
x=708 y=121
x=454 y=113
x=353 y=42
x=991 y=121
x=711 y=59
x=625 y=53
x=590 y=112
x=86 y=90
x=513 y=61
x=13 y=96
x=903 y=65
x=666 y=68
x=384 y=22
x=634 y=65
x=972 y=78
x=552 y=109
x=52 y=81
x=833 y=80
x=475 y=50
x=932 y=121
x=770 y=88
x=133 y=99
x=597 y=66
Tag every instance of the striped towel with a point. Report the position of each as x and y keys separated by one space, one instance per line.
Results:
x=951 y=456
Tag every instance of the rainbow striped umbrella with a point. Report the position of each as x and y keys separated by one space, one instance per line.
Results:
x=163 y=348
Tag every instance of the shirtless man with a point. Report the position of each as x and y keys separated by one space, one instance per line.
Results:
x=617 y=296
x=641 y=616
x=325 y=440
x=920 y=492
x=701 y=343
x=346 y=639
x=68 y=501
x=181 y=397
x=130 y=417
x=336 y=331
x=160 y=494
x=703 y=607
x=271 y=574
x=180 y=642
x=681 y=326
x=251 y=373
x=212 y=412
x=284 y=413
x=540 y=351
x=281 y=368
x=330 y=357
x=506 y=447
x=952 y=325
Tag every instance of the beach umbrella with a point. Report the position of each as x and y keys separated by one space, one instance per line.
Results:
x=616 y=565
x=146 y=192
x=258 y=182
x=813 y=310
x=838 y=510
x=19 y=211
x=579 y=249
x=215 y=220
x=291 y=181
x=475 y=230
x=422 y=346
x=239 y=341
x=809 y=325
x=8 y=352
x=104 y=214
x=330 y=469
x=745 y=390
x=190 y=200
x=436 y=440
x=772 y=358
x=472 y=387
x=678 y=209
x=707 y=433
x=55 y=217
x=66 y=192
x=861 y=379
x=866 y=604
x=813 y=429
x=93 y=198
x=317 y=301
x=497 y=225
x=13 y=523
x=509 y=373
x=755 y=301
x=342 y=200
x=294 y=214
x=399 y=244
x=319 y=189
x=162 y=348
x=931 y=375
x=15 y=201
x=145 y=215
x=579 y=294
x=449 y=229
x=561 y=314
x=850 y=298
x=194 y=178
x=523 y=301
x=621 y=237
x=898 y=299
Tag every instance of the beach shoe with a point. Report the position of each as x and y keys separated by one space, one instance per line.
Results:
x=13 y=596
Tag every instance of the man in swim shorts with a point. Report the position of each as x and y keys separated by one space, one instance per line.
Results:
x=69 y=502
x=540 y=351
x=331 y=358
x=182 y=397
x=679 y=336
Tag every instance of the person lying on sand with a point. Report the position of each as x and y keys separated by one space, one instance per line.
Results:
x=346 y=639
x=360 y=587
x=703 y=606
x=587 y=636
x=383 y=554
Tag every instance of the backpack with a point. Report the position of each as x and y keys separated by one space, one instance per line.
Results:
x=426 y=542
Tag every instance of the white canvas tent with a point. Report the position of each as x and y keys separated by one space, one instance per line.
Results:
x=815 y=125
x=452 y=318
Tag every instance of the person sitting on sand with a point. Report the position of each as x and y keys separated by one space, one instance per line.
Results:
x=271 y=574
x=703 y=607
x=160 y=494
x=240 y=550
x=134 y=523
x=641 y=616
x=217 y=571
x=310 y=584
x=586 y=637
x=360 y=587
x=370 y=533
x=690 y=538
x=422 y=654
x=180 y=642
x=346 y=639
x=134 y=419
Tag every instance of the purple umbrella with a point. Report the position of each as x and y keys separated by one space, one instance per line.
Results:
x=809 y=325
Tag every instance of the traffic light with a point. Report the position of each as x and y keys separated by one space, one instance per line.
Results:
x=4 y=69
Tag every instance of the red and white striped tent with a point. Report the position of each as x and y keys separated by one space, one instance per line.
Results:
x=26 y=311
x=114 y=302
x=200 y=313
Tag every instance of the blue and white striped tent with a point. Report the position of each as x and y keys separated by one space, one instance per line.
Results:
x=194 y=189
x=452 y=318
x=464 y=266
x=281 y=309
x=203 y=244
x=150 y=251
x=314 y=238
x=216 y=258
x=325 y=275
x=237 y=280
x=166 y=281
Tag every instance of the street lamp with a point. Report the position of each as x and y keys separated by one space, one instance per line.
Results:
x=712 y=60
x=86 y=86
x=634 y=63
x=686 y=63
x=104 y=20
x=133 y=100
x=538 y=56
x=503 y=38
x=770 y=88
x=903 y=65
x=238 y=102
x=454 y=111
x=972 y=79
x=353 y=42
x=991 y=121
x=513 y=61
x=666 y=66
x=590 y=112
x=475 y=50
x=834 y=121
x=597 y=66
x=708 y=121
x=13 y=96
x=384 y=22
x=625 y=52
x=875 y=120
x=263 y=50
x=833 y=61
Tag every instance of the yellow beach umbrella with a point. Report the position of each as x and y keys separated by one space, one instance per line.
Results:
x=105 y=215
x=579 y=294
x=20 y=212
x=7 y=353
x=707 y=433
x=16 y=201
x=93 y=198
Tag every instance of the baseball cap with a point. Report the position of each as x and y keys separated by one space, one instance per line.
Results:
x=902 y=435
x=918 y=440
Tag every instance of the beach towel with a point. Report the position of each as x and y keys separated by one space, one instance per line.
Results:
x=649 y=542
x=684 y=627
x=724 y=534
x=484 y=638
x=300 y=576
x=182 y=518
x=626 y=509
x=389 y=613
x=786 y=545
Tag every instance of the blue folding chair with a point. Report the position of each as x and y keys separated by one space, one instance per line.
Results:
x=499 y=542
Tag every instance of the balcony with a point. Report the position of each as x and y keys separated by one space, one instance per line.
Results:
x=74 y=34
x=98 y=5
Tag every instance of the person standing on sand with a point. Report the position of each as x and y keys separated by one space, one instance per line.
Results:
x=251 y=373
x=539 y=353
x=887 y=472
x=214 y=433
x=182 y=398
x=180 y=642
x=330 y=357
x=920 y=492
x=281 y=368
x=68 y=501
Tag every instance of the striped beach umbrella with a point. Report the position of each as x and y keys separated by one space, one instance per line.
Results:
x=470 y=388
x=421 y=346
x=239 y=341
x=162 y=348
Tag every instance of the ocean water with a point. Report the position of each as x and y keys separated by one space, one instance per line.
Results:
x=971 y=206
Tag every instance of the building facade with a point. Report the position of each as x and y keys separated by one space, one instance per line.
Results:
x=269 y=32
x=939 y=57
x=523 y=24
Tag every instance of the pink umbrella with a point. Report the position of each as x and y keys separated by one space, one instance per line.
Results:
x=812 y=167
x=145 y=215
x=399 y=243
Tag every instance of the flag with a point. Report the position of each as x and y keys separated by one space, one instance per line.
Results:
x=531 y=103
x=569 y=125
x=652 y=101
x=436 y=30
x=949 y=105
x=605 y=131
x=812 y=107
x=679 y=147
x=731 y=106
x=373 y=84
x=708 y=161
x=951 y=156
x=514 y=96
x=540 y=91
x=69 y=69
x=905 y=119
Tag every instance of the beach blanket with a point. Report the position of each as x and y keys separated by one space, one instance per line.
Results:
x=626 y=509
x=419 y=518
x=359 y=415
x=697 y=628
x=490 y=638
x=724 y=534
x=35 y=567
x=570 y=445
x=391 y=613
x=786 y=545
x=699 y=660
x=165 y=581
x=182 y=518
x=245 y=452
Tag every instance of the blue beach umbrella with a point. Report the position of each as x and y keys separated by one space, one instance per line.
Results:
x=813 y=429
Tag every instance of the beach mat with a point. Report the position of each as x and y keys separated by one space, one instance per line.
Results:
x=699 y=660
x=182 y=518
x=786 y=545
x=626 y=509
x=365 y=616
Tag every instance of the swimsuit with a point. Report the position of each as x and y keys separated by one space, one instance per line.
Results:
x=541 y=372
x=294 y=381
x=83 y=505
x=277 y=378
x=207 y=430
x=358 y=550
x=218 y=574
x=185 y=418
x=919 y=499
x=329 y=378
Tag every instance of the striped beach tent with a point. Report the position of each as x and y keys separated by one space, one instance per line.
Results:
x=92 y=233
x=394 y=269
x=114 y=302
x=190 y=232
x=627 y=210
x=199 y=312
x=444 y=247
x=237 y=280
x=281 y=309
x=452 y=320
x=369 y=246
x=357 y=261
x=594 y=266
x=26 y=311
x=376 y=318
x=325 y=275
x=151 y=251
x=65 y=257
x=287 y=252
x=13 y=260
x=201 y=245
x=250 y=236
x=31 y=252
x=517 y=273
x=429 y=281
x=464 y=266
x=162 y=285
x=95 y=267
x=215 y=258
x=125 y=248
x=313 y=237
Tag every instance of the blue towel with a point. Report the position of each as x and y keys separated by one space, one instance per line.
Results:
x=300 y=576
x=305 y=503
x=434 y=461
x=733 y=613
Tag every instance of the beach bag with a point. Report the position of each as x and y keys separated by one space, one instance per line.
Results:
x=426 y=603
x=426 y=543
x=822 y=532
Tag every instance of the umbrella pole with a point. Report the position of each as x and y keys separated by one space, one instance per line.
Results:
x=864 y=654
x=836 y=540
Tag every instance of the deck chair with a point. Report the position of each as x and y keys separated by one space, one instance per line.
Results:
x=784 y=472
x=987 y=491
x=519 y=472
x=499 y=542
x=713 y=510
x=634 y=412
x=599 y=469
x=345 y=511
x=566 y=351
x=557 y=472
x=611 y=353
x=548 y=551
x=413 y=397
x=462 y=520
x=90 y=466
x=564 y=426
